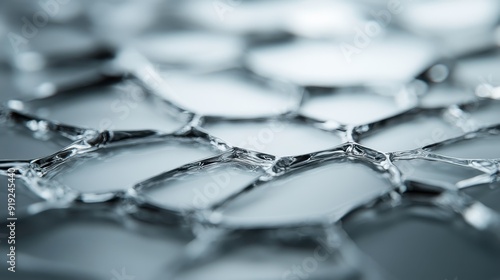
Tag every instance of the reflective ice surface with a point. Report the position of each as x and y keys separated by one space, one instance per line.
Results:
x=413 y=133
x=18 y=144
x=401 y=240
x=201 y=188
x=274 y=137
x=402 y=57
x=330 y=190
x=121 y=168
x=252 y=139
x=101 y=234
x=122 y=108
x=351 y=107
x=190 y=48
x=249 y=97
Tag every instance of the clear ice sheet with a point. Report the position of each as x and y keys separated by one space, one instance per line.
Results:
x=427 y=17
x=230 y=94
x=328 y=66
x=275 y=137
x=400 y=242
x=487 y=194
x=288 y=146
x=190 y=48
x=120 y=168
x=265 y=259
x=424 y=130
x=23 y=144
x=351 y=107
x=442 y=95
x=485 y=147
x=102 y=233
x=435 y=171
x=123 y=107
x=330 y=190
x=485 y=115
x=200 y=188
x=316 y=19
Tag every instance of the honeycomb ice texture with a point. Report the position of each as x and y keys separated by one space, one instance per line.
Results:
x=233 y=139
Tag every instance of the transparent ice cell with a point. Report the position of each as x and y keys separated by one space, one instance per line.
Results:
x=324 y=19
x=324 y=63
x=485 y=147
x=40 y=84
x=263 y=260
x=229 y=94
x=327 y=191
x=316 y=19
x=485 y=115
x=89 y=243
x=445 y=17
x=410 y=134
x=478 y=69
x=41 y=50
x=69 y=40
x=446 y=95
x=239 y=19
x=350 y=107
x=97 y=244
x=415 y=243
x=487 y=194
x=21 y=144
x=123 y=107
x=201 y=188
x=190 y=48
x=274 y=137
x=435 y=171
x=120 y=168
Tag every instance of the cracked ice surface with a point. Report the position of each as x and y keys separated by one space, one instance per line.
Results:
x=238 y=140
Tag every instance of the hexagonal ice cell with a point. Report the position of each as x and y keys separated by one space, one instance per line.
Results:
x=357 y=107
x=124 y=107
x=487 y=194
x=70 y=243
x=379 y=60
x=485 y=115
x=479 y=147
x=274 y=137
x=202 y=187
x=445 y=17
x=302 y=18
x=327 y=191
x=446 y=95
x=410 y=134
x=443 y=22
x=39 y=84
x=18 y=144
x=268 y=261
x=115 y=169
x=435 y=171
x=41 y=50
x=190 y=48
x=228 y=18
x=229 y=94
x=400 y=241
x=247 y=257
x=324 y=19
x=479 y=69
